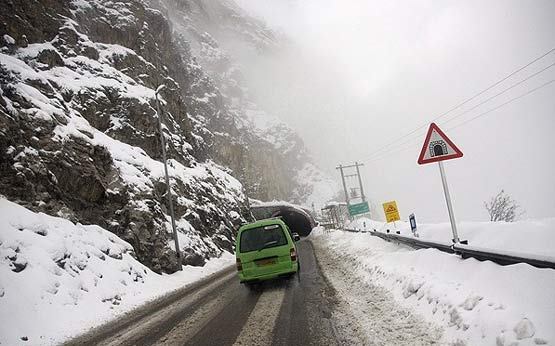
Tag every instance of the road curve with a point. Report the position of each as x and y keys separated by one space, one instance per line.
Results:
x=221 y=311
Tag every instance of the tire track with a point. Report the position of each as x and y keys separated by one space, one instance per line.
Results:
x=258 y=330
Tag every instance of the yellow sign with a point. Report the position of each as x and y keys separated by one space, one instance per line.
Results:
x=391 y=211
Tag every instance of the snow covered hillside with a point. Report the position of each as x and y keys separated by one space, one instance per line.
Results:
x=227 y=42
x=57 y=278
x=79 y=134
x=475 y=303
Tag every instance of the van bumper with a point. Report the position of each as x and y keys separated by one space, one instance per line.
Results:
x=282 y=273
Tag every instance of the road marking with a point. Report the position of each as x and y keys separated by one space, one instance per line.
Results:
x=262 y=320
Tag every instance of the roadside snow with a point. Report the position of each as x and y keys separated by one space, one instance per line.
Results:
x=58 y=279
x=534 y=238
x=476 y=303
x=368 y=311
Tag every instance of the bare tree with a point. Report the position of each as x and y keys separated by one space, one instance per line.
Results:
x=503 y=207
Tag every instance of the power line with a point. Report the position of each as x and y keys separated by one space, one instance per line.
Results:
x=464 y=102
x=503 y=104
x=398 y=145
x=498 y=94
x=401 y=149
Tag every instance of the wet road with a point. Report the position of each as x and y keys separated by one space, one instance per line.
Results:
x=220 y=311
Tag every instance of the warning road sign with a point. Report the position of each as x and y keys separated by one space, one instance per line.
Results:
x=438 y=147
x=391 y=211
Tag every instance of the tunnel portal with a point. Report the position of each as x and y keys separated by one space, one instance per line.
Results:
x=297 y=218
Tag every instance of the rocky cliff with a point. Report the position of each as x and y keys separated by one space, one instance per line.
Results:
x=79 y=123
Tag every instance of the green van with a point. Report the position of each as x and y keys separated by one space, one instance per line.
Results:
x=265 y=250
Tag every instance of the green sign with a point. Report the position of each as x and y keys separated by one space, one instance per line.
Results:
x=359 y=208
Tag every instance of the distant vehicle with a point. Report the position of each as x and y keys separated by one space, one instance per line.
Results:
x=266 y=250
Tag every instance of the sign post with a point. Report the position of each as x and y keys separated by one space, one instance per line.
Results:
x=437 y=148
x=449 y=204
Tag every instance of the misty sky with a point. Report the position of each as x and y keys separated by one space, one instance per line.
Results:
x=358 y=74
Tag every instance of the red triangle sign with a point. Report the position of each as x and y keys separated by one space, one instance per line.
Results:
x=438 y=147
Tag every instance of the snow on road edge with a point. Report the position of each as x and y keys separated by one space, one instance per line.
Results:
x=477 y=303
x=58 y=279
x=367 y=314
x=532 y=238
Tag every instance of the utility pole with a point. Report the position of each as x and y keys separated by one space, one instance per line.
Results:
x=343 y=176
x=168 y=187
x=357 y=208
x=357 y=165
x=340 y=168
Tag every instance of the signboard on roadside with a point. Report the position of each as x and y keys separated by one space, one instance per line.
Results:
x=438 y=147
x=391 y=211
x=359 y=208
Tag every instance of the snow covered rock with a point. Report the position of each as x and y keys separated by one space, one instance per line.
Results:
x=79 y=130
x=524 y=329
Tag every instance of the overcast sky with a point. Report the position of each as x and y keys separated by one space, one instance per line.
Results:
x=359 y=74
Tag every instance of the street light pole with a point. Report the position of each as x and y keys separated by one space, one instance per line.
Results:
x=168 y=187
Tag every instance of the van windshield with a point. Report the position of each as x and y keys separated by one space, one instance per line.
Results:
x=262 y=237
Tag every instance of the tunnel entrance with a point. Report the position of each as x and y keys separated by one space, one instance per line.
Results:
x=297 y=222
x=438 y=148
x=297 y=219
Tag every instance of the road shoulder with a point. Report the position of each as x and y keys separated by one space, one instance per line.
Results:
x=368 y=314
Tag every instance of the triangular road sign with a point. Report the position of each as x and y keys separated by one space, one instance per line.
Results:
x=438 y=147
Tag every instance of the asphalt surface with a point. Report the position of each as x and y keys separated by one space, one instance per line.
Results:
x=221 y=311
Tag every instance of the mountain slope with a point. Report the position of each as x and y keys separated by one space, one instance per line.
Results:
x=79 y=125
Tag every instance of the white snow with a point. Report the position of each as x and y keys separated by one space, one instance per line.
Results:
x=476 y=303
x=8 y=39
x=533 y=238
x=323 y=187
x=58 y=279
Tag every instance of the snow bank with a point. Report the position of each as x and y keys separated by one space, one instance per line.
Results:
x=58 y=279
x=477 y=303
x=534 y=238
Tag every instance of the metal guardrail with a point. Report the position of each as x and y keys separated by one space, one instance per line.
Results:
x=465 y=251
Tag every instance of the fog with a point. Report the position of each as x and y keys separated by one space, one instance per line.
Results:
x=355 y=76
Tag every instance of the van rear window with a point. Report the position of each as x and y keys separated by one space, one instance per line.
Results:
x=262 y=237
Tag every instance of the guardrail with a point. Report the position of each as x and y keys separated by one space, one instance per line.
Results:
x=465 y=251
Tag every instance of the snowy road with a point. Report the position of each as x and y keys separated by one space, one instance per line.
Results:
x=305 y=310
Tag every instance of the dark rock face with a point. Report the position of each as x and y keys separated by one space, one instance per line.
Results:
x=268 y=156
x=79 y=130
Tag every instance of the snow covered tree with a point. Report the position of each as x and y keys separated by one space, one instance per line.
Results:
x=503 y=207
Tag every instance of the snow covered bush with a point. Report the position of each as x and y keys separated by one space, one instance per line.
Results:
x=503 y=207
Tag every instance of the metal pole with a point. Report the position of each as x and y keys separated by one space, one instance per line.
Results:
x=448 y=201
x=247 y=200
x=360 y=182
x=169 y=192
x=344 y=185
